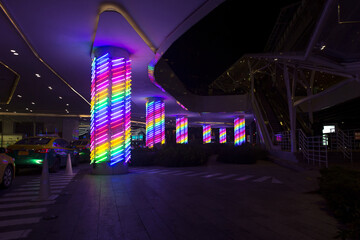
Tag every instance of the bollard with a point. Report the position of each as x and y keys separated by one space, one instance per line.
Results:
x=68 y=170
x=44 y=192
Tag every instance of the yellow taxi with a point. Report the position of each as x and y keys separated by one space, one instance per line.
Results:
x=31 y=152
x=7 y=169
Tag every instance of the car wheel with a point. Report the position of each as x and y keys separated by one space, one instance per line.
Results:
x=56 y=166
x=7 y=177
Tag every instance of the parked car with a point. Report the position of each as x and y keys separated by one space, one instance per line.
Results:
x=82 y=149
x=31 y=151
x=7 y=169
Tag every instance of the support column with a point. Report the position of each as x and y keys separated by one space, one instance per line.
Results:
x=155 y=121
x=206 y=133
x=110 y=111
x=239 y=131
x=222 y=135
x=292 y=109
x=181 y=130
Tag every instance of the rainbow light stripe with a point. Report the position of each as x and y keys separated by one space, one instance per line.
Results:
x=155 y=122
x=239 y=131
x=206 y=134
x=222 y=135
x=182 y=130
x=110 y=110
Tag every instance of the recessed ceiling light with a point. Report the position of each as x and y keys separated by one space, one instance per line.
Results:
x=60 y=97
x=32 y=103
x=15 y=53
x=50 y=87
x=38 y=75
x=12 y=51
x=19 y=96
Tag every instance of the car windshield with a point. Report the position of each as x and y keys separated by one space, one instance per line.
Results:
x=33 y=141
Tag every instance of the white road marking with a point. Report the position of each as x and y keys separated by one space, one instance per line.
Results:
x=227 y=176
x=170 y=172
x=196 y=174
x=244 y=178
x=22 y=212
x=20 y=221
x=212 y=175
x=262 y=179
x=15 y=234
x=25 y=204
x=274 y=180
x=182 y=173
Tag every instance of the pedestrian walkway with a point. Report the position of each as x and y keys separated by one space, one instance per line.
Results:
x=19 y=208
x=209 y=175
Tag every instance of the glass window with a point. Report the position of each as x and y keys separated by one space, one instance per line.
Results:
x=33 y=141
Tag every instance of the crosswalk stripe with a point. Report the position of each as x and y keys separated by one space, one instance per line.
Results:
x=27 y=193
x=13 y=222
x=182 y=173
x=244 y=178
x=262 y=179
x=227 y=176
x=197 y=174
x=25 y=204
x=15 y=234
x=16 y=199
x=212 y=175
x=274 y=180
x=22 y=212
x=36 y=188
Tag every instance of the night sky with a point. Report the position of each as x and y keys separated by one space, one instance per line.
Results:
x=216 y=42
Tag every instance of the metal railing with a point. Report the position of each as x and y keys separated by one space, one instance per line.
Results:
x=313 y=149
x=344 y=144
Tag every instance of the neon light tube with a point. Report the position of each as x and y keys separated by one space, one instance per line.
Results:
x=222 y=135
x=155 y=122
x=239 y=131
x=206 y=134
x=181 y=130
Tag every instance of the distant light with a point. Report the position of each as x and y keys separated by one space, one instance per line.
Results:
x=12 y=51
x=30 y=110
x=275 y=59
x=19 y=96
x=7 y=110
x=50 y=87
x=38 y=75
x=60 y=97
x=67 y=104
x=32 y=103
x=15 y=53
x=27 y=109
x=323 y=47
x=14 y=111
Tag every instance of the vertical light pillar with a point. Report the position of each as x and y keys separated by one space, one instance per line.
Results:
x=110 y=111
x=239 y=131
x=206 y=133
x=222 y=135
x=155 y=122
x=182 y=130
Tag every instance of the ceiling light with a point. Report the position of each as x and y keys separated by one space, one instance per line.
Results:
x=12 y=51
x=32 y=103
x=15 y=53
x=38 y=75
x=60 y=97
x=67 y=104
x=27 y=109
x=323 y=47
x=19 y=96
x=50 y=87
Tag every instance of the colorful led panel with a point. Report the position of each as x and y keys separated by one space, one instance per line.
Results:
x=182 y=130
x=206 y=134
x=155 y=122
x=110 y=110
x=222 y=135
x=239 y=131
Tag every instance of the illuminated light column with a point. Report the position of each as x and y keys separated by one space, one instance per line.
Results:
x=182 y=130
x=239 y=131
x=110 y=111
x=206 y=134
x=155 y=121
x=222 y=135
